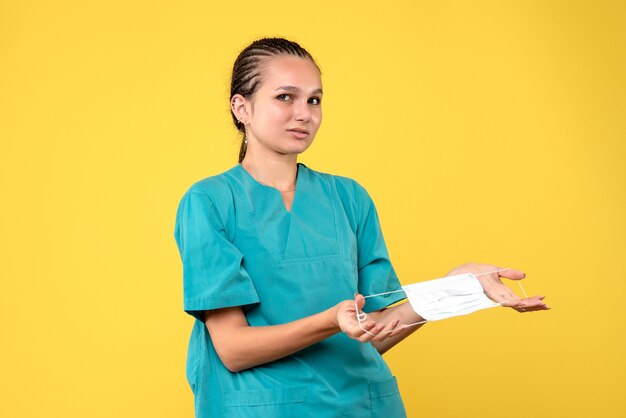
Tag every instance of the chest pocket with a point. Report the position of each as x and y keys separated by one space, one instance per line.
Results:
x=312 y=231
x=311 y=236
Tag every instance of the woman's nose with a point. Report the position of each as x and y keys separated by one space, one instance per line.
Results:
x=303 y=112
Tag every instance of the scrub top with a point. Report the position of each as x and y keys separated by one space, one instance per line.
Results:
x=241 y=247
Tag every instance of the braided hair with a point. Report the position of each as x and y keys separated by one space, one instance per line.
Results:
x=246 y=77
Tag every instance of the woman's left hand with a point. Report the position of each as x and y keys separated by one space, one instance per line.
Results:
x=498 y=291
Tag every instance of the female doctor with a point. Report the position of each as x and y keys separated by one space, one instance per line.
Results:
x=276 y=260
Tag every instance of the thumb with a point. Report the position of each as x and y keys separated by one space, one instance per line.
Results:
x=509 y=303
x=512 y=274
x=360 y=300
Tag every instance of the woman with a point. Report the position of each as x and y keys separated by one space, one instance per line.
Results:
x=276 y=258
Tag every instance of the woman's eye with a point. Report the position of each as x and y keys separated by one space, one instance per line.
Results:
x=284 y=97
x=315 y=100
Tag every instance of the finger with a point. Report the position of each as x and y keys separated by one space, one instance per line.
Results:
x=532 y=304
x=387 y=330
x=535 y=303
x=373 y=329
x=534 y=308
x=512 y=274
x=511 y=303
x=535 y=300
x=398 y=329
x=362 y=332
x=360 y=300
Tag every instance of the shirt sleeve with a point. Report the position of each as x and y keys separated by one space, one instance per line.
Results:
x=376 y=273
x=213 y=275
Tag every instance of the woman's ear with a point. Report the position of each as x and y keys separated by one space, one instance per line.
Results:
x=239 y=107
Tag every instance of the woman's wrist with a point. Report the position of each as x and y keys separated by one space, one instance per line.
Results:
x=331 y=318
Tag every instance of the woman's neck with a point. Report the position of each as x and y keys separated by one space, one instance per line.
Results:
x=278 y=172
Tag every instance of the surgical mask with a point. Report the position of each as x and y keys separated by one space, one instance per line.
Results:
x=443 y=298
x=447 y=297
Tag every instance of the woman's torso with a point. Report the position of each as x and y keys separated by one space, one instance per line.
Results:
x=300 y=263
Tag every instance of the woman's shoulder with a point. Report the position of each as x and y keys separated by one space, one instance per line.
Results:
x=214 y=187
x=211 y=195
x=346 y=186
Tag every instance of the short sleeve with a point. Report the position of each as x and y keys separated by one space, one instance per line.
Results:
x=213 y=275
x=376 y=273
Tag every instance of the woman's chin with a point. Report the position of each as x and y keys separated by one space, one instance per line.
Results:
x=297 y=148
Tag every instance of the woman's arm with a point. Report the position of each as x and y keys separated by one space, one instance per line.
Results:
x=241 y=346
x=489 y=277
x=396 y=317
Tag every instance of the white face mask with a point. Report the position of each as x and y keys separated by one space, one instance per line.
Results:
x=450 y=296
x=443 y=298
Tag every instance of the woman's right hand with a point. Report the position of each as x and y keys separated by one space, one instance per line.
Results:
x=346 y=318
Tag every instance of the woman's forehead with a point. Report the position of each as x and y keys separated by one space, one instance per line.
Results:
x=292 y=72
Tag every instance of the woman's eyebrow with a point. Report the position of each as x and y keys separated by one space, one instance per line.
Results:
x=296 y=89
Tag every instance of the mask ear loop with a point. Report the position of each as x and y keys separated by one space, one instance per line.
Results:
x=360 y=317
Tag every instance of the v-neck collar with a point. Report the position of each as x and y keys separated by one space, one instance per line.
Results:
x=266 y=190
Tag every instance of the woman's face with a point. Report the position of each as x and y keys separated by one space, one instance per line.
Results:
x=285 y=112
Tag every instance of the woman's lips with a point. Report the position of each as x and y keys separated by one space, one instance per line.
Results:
x=299 y=133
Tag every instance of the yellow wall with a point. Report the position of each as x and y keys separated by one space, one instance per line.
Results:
x=490 y=131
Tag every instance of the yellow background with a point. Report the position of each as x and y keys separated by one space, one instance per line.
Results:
x=489 y=131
